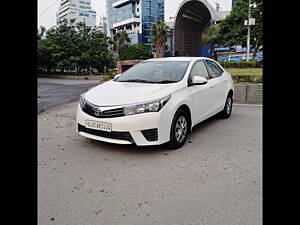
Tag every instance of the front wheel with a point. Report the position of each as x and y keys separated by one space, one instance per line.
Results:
x=226 y=112
x=179 y=129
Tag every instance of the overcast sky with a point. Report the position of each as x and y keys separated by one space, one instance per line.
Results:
x=47 y=9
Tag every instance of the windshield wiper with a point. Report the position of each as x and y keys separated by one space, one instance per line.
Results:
x=137 y=81
x=165 y=81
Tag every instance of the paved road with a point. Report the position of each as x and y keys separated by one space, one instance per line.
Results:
x=54 y=92
x=216 y=178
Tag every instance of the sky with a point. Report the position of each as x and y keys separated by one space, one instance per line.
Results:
x=47 y=9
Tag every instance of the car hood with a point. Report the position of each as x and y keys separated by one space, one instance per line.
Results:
x=119 y=93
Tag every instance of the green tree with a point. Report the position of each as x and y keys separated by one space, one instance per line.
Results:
x=72 y=46
x=131 y=52
x=64 y=45
x=211 y=34
x=93 y=45
x=233 y=31
x=160 y=34
x=44 y=59
x=121 y=39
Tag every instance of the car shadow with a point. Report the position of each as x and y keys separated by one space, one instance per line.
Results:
x=200 y=127
x=129 y=148
x=134 y=149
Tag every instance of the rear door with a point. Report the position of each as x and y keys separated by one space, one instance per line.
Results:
x=218 y=84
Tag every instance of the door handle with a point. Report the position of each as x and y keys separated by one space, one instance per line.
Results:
x=212 y=85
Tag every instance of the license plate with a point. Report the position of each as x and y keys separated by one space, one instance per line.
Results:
x=98 y=125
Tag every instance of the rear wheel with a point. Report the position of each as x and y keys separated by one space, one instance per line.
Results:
x=226 y=112
x=179 y=129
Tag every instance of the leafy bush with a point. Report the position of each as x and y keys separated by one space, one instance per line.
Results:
x=242 y=64
x=107 y=77
x=248 y=78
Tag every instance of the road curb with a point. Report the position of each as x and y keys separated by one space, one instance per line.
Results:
x=247 y=94
x=256 y=105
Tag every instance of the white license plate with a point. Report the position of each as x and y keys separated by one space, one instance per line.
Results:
x=98 y=125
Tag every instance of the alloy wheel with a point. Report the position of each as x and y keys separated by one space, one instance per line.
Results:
x=228 y=106
x=181 y=129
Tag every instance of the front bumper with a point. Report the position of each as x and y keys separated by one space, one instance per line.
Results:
x=151 y=128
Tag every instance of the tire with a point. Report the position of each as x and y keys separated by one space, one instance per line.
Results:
x=226 y=112
x=179 y=129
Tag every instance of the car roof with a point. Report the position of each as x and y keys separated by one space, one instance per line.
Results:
x=177 y=59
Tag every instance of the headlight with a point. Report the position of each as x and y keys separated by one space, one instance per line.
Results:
x=82 y=101
x=153 y=106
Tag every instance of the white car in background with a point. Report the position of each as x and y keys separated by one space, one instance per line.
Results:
x=156 y=101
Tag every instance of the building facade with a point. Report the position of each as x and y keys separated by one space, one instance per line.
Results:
x=102 y=26
x=170 y=44
x=77 y=10
x=136 y=17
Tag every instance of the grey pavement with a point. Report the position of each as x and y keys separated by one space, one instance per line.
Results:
x=54 y=92
x=215 y=178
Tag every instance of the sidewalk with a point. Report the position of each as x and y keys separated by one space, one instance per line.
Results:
x=73 y=77
x=67 y=81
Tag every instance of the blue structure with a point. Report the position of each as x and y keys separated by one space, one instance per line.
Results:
x=236 y=54
x=233 y=2
x=136 y=17
x=206 y=51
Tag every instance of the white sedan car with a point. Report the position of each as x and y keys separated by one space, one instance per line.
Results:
x=156 y=101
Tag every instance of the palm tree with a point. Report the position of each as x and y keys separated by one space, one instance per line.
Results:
x=121 y=39
x=160 y=34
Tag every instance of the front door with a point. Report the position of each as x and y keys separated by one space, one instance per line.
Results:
x=201 y=94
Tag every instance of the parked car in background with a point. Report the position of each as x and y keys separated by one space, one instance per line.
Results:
x=156 y=101
x=94 y=70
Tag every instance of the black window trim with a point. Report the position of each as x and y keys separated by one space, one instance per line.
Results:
x=189 y=78
x=208 y=69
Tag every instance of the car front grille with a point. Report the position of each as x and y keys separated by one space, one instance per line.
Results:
x=119 y=135
x=151 y=134
x=93 y=110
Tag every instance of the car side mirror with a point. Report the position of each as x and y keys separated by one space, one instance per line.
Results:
x=197 y=80
x=117 y=76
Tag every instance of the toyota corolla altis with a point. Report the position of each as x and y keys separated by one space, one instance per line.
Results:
x=156 y=101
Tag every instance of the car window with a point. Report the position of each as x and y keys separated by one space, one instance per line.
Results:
x=199 y=69
x=213 y=69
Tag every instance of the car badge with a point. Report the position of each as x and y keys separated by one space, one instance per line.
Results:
x=98 y=111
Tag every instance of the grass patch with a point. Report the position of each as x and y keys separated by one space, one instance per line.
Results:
x=245 y=71
x=107 y=77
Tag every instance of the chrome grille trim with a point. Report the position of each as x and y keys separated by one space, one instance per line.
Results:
x=106 y=111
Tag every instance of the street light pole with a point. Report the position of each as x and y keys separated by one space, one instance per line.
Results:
x=248 y=38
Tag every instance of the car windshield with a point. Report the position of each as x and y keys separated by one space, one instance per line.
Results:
x=155 y=72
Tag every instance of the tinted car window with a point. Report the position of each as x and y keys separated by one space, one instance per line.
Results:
x=213 y=69
x=199 y=69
